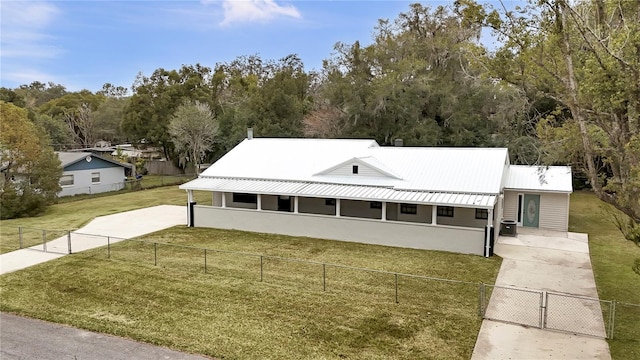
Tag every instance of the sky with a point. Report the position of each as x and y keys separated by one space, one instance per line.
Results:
x=84 y=44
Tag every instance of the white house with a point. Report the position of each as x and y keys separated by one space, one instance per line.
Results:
x=87 y=173
x=447 y=199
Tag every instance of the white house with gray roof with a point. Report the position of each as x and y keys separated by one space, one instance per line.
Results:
x=448 y=199
x=87 y=173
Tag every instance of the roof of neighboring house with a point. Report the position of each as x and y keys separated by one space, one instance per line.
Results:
x=443 y=170
x=70 y=158
x=539 y=178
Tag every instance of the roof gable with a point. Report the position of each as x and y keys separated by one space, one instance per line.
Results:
x=366 y=166
x=85 y=161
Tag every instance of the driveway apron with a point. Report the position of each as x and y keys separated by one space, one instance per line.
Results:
x=548 y=261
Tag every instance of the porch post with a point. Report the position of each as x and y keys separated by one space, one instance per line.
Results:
x=384 y=211
x=259 y=204
x=487 y=241
x=190 y=204
x=338 y=207
x=223 y=204
x=434 y=215
x=295 y=204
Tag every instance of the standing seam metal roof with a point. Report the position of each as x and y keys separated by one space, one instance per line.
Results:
x=350 y=192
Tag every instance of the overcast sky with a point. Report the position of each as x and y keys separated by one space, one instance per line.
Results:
x=84 y=44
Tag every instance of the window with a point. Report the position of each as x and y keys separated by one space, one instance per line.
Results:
x=354 y=169
x=245 y=198
x=482 y=214
x=95 y=178
x=411 y=209
x=375 y=205
x=330 y=202
x=446 y=211
x=66 y=180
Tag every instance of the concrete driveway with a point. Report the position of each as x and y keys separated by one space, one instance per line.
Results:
x=24 y=338
x=543 y=261
x=119 y=226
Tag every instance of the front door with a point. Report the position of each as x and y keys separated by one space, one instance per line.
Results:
x=284 y=203
x=531 y=210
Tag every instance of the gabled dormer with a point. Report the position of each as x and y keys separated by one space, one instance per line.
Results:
x=359 y=167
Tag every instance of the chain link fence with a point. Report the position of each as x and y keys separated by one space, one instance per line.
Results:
x=530 y=307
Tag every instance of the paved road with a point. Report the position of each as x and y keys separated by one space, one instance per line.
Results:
x=24 y=338
x=549 y=261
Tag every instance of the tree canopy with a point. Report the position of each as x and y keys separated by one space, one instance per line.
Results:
x=30 y=168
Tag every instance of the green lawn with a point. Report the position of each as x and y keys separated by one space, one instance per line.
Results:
x=229 y=313
x=612 y=257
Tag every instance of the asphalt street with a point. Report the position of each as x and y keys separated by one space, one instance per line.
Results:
x=25 y=338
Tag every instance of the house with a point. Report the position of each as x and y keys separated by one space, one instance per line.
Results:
x=87 y=173
x=450 y=199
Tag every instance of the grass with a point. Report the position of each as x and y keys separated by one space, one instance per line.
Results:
x=70 y=215
x=229 y=313
x=612 y=258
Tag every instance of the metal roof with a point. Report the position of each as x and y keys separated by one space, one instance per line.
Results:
x=342 y=191
x=540 y=178
x=424 y=169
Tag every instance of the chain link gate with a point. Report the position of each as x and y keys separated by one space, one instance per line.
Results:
x=569 y=313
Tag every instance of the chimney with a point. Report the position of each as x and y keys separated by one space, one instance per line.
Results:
x=250 y=133
x=398 y=143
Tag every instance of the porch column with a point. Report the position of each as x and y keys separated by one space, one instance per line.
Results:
x=487 y=240
x=190 y=196
x=259 y=204
x=338 y=207
x=224 y=200
x=295 y=204
x=190 y=204
x=384 y=211
x=434 y=215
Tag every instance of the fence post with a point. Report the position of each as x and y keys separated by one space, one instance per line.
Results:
x=205 y=261
x=20 y=236
x=260 y=267
x=155 y=254
x=108 y=247
x=612 y=322
x=324 y=277
x=396 y=278
x=44 y=240
x=481 y=300
x=544 y=299
x=69 y=240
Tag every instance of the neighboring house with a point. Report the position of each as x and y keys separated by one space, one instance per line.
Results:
x=447 y=199
x=87 y=173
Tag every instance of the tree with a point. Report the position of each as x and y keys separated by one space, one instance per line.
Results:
x=585 y=56
x=30 y=169
x=193 y=129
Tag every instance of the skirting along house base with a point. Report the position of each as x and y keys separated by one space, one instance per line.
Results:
x=448 y=199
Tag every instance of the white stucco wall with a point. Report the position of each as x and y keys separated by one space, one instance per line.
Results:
x=391 y=233
x=111 y=179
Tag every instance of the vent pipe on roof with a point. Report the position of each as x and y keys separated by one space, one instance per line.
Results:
x=250 y=133
x=398 y=142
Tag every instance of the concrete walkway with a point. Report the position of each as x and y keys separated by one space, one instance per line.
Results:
x=24 y=338
x=118 y=226
x=548 y=261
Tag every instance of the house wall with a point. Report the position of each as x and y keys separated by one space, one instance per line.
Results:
x=423 y=214
x=554 y=209
x=315 y=206
x=462 y=217
x=111 y=179
x=361 y=209
x=417 y=236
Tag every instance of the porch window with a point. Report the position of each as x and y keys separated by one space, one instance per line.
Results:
x=482 y=214
x=245 y=198
x=410 y=209
x=66 y=180
x=445 y=211
x=330 y=202
x=375 y=205
x=95 y=178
